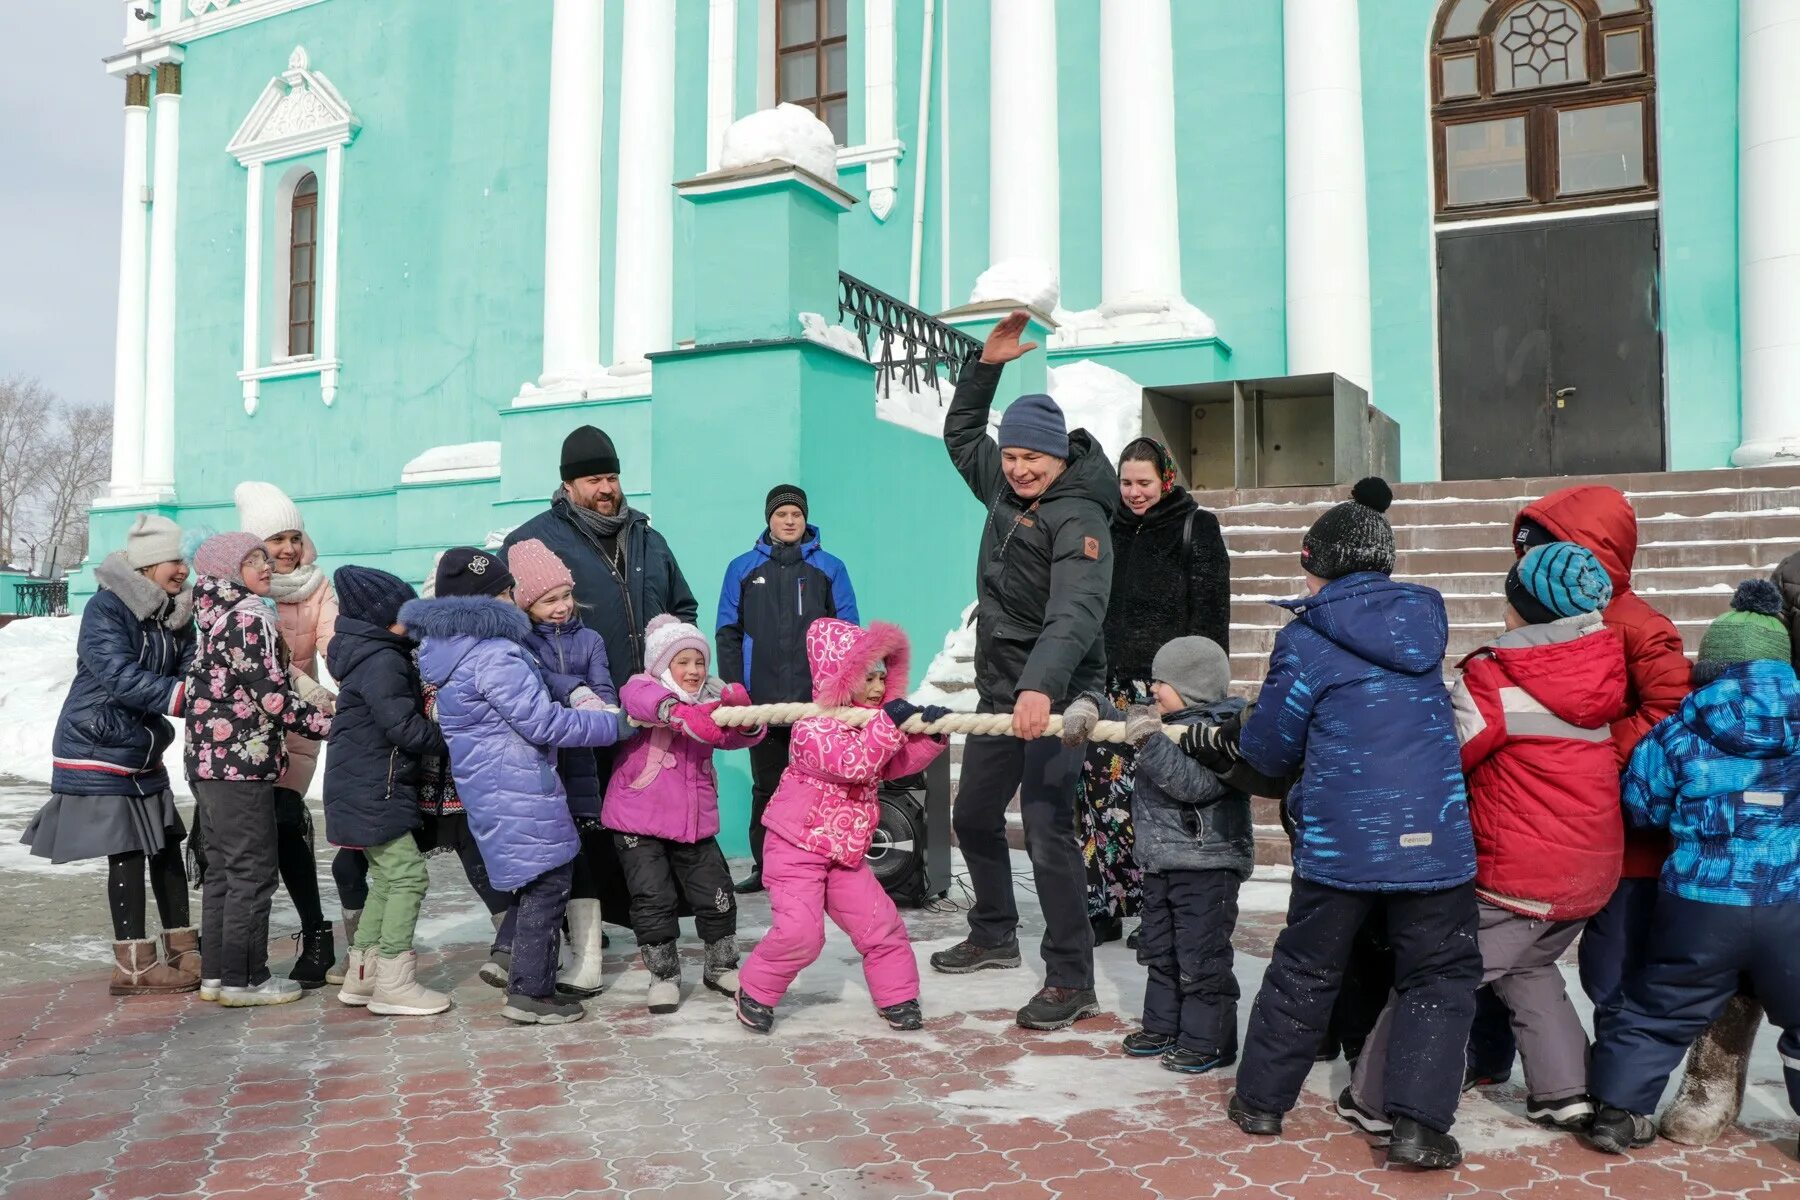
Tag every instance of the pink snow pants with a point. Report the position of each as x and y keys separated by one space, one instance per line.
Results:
x=803 y=888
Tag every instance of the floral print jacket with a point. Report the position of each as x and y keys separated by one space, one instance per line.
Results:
x=240 y=705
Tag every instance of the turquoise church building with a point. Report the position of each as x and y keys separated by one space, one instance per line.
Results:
x=387 y=253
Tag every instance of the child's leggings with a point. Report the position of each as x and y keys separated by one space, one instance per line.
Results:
x=397 y=882
x=803 y=888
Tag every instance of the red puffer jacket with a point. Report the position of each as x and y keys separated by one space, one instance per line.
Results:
x=1656 y=671
x=1532 y=712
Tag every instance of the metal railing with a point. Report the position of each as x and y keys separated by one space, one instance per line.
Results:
x=911 y=347
x=41 y=598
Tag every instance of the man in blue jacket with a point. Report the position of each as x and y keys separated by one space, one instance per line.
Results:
x=771 y=596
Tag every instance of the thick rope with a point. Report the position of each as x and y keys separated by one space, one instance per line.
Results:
x=980 y=724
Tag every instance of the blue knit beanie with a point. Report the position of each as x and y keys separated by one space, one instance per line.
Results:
x=366 y=594
x=1556 y=580
x=1034 y=422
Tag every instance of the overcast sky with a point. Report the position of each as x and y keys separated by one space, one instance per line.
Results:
x=61 y=137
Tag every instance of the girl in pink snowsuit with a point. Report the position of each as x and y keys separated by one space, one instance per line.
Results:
x=822 y=817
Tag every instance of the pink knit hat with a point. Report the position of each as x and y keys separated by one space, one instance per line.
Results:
x=222 y=555
x=666 y=636
x=535 y=570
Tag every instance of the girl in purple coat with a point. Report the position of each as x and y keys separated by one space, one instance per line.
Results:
x=662 y=806
x=503 y=729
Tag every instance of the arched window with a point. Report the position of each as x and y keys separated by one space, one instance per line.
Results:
x=302 y=264
x=812 y=67
x=1542 y=104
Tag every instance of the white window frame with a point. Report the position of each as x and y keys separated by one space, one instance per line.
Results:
x=298 y=113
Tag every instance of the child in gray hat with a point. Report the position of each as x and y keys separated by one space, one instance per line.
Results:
x=1194 y=844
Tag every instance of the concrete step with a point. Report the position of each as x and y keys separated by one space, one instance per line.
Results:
x=1758 y=527
x=1649 y=582
x=1254 y=640
x=1502 y=510
x=1494 y=560
x=1719 y=482
x=1486 y=607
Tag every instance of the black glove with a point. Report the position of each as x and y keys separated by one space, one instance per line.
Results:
x=899 y=710
x=931 y=714
x=1214 y=747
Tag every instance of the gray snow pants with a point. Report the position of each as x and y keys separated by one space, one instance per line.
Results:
x=1518 y=957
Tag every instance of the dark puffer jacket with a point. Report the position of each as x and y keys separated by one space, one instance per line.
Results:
x=378 y=737
x=1185 y=817
x=1045 y=566
x=132 y=659
x=1165 y=583
x=1786 y=576
x=574 y=656
x=618 y=608
x=771 y=596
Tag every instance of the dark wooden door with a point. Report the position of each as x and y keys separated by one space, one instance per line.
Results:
x=1549 y=349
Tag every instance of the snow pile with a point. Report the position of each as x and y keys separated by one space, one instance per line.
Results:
x=950 y=678
x=1108 y=404
x=785 y=133
x=1020 y=280
x=1158 y=321
x=841 y=338
x=465 y=460
x=37 y=665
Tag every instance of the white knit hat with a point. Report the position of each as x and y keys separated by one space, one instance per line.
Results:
x=265 y=510
x=153 y=539
x=666 y=636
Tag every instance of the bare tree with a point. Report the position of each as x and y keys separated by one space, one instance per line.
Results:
x=26 y=408
x=77 y=464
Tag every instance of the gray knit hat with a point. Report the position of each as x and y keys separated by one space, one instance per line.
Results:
x=1352 y=536
x=1196 y=667
x=153 y=539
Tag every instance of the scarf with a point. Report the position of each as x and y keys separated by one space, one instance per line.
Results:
x=709 y=691
x=297 y=585
x=596 y=525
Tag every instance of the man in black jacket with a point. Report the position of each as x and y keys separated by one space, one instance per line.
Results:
x=1044 y=574
x=624 y=571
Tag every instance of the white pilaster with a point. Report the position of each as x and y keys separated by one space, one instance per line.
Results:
x=1768 y=234
x=1140 y=235
x=330 y=204
x=721 y=76
x=644 y=253
x=253 y=230
x=882 y=175
x=128 y=342
x=572 y=189
x=1024 y=198
x=1327 y=204
x=159 y=349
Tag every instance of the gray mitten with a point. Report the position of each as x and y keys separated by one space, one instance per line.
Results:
x=1079 y=720
x=1141 y=724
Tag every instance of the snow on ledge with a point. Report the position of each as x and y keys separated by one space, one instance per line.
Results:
x=1021 y=281
x=841 y=338
x=785 y=133
x=444 y=464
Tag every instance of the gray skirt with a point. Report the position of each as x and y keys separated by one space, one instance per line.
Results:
x=71 y=828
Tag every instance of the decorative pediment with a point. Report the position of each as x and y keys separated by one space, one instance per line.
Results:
x=299 y=112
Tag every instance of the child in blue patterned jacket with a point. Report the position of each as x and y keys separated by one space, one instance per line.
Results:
x=1723 y=776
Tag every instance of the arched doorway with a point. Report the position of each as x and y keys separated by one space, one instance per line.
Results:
x=1545 y=173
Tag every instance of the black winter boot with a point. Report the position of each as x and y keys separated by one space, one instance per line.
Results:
x=317 y=954
x=1107 y=928
x=1195 y=1062
x=1615 y=1131
x=903 y=1016
x=1414 y=1145
x=1253 y=1121
x=1144 y=1044
x=967 y=956
x=1058 y=1007
x=753 y=1015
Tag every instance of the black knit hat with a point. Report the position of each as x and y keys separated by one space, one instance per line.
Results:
x=588 y=451
x=366 y=594
x=784 y=493
x=466 y=571
x=1352 y=536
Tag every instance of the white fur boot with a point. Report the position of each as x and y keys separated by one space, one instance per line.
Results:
x=1717 y=1068
x=582 y=977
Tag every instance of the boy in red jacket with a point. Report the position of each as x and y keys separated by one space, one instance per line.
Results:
x=1532 y=712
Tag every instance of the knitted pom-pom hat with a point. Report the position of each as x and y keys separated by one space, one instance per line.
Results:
x=1751 y=632
x=666 y=636
x=1352 y=536
x=536 y=570
x=222 y=555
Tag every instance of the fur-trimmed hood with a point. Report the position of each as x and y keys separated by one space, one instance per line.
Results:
x=841 y=655
x=478 y=617
x=145 y=599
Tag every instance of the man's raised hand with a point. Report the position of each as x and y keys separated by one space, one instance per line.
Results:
x=1003 y=343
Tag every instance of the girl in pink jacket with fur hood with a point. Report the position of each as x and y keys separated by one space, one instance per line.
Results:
x=822 y=818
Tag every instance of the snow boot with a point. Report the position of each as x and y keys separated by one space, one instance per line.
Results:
x=497 y=969
x=1614 y=1131
x=1717 y=1068
x=351 y=919
x=137 y=971
x=754 y=1015
x=269 y=991
x=967 y=956
x=663 y=962
x=210 y=990
x=1571 y=1114
x=1194 y=1062
x=582 y=976
x=1414 y=1145
x=1252 y=1121
x=398 y=992
x=554 y=1010
x=722 y=966
x=359 y=978
x=181 y=950
x=904 y=1016
x=317 y=953
x=1363 y=1120
x=1144 y=1044
x=1058 y=1007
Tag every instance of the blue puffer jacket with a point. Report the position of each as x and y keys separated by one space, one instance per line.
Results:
x=575 y=656
x=1723 y=776
x=1355 y=700
x=132 y=659
x=379 y=736
x=503 y=729
x=771 y=596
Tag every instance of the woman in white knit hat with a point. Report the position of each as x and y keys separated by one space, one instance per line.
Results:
x=306 y=611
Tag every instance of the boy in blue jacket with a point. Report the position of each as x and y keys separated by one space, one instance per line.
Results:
x=1355 y=701
x=1723 y=776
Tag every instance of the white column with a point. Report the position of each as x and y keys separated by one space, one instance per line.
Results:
x=882 y=175
x=128 y=342
x=159 y=350
x=330 y=201
x=721 y=76
x=643 y=261
x=1327 y=205
x=253 y=228
x=1024 y=204
x=1140 y=235
x=572 y=187
x=1768 y=233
